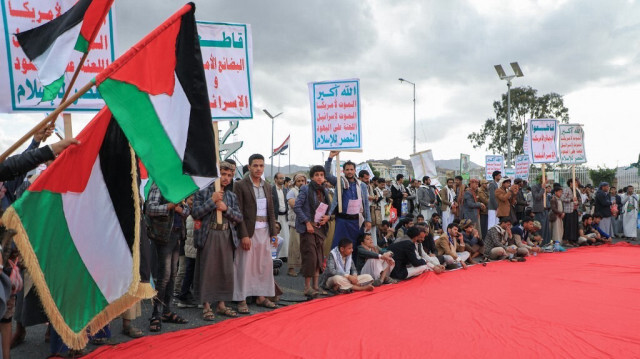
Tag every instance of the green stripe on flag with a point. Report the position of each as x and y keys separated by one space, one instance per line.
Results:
x=76 y=294
x=51 y=90
x=136 y=115
x=82 y=44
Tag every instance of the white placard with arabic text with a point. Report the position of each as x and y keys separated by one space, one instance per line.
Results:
x=20 y=88
x=572 y=144
x=493 y=163
x=335 y=115
x=227 y=56
x=544 y=146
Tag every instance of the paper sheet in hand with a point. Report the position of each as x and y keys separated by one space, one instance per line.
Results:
x=321 y=211
x=354 y=206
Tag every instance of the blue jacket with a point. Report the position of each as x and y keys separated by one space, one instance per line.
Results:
x=364 y=193
x=305 y=209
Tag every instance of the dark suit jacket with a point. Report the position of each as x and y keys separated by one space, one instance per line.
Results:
x=276 y=204
x=247 y=203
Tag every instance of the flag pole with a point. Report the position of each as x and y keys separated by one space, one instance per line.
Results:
x=218 y=186
x=47 y=120
x=339 y=183
x=573 y=182
x=544 y=196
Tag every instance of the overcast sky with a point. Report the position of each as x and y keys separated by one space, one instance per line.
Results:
x=587 y=51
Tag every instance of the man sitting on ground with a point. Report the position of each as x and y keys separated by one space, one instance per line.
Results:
x=408 y=263
x=370 y=261
x=420 y=220
x=403 y=225
x=436 y=225
x=495 y=243
x=452 y=247
x=523 y=236
x=385 y=235
x=341 y=274
x=586 y=234
x=604 y=236
x=472 y=241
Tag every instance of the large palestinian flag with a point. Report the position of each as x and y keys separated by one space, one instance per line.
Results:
x=78 y=230
x=158 y=94
x=51 y=45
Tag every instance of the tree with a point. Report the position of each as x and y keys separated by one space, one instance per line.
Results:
x=602 y=174
x=525 y=105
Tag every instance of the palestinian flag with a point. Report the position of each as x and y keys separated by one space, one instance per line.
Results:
x=158 y=94
x=50 y=46
x=78 y=231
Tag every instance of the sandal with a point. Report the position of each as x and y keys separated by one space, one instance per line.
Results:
x=320 y=291
x=311 y=293
x=227 y=312
x=207 y=315
x=155 y=324
x=99 y=341
x=266 y=303
x=292 y=273
x=173 y=318
x=132 y=332
x=243 y=308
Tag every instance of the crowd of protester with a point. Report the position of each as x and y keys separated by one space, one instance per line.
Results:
x=220 y=248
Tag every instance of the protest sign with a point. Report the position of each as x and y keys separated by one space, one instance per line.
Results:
x=465 y=166
x=526 y=142
x=335 y=115
x=571 y=141
x=227 y=56
x=493 y=163
x=544 y=141
x=21 y=88
x=424 y=165
x=522 y=167
x=364 y=166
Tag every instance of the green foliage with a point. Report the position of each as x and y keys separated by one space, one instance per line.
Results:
x=602 y=174
x=525 y=105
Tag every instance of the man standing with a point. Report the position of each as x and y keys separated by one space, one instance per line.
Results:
x=538 y=192
x=570 y=208
x=294 y=261
x=460 y=188
x=413 y=197
x=492 y=218
x=629 y=211
x=355 y=203
x=399 y=194
x=426 y=198
x=448 y=197
x=281 y=208
x=603 y=207
x=311 y=226
x=471 y=206
x=168 y=230
x=374 y=207
x=253 y=274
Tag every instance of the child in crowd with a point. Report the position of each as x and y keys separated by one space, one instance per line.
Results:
x=341 y=274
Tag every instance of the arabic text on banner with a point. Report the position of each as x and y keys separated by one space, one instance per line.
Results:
x=335 y=115
x=22 y=91
x=227 y=56
x=493 y=163
x=522 y=167
x=544 y=141
x=572 y=144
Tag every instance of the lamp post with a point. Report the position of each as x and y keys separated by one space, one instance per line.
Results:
x=503 y=76
x=272 y=118
x=414 y=111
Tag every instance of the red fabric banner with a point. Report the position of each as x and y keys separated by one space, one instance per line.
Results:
x=584 y=303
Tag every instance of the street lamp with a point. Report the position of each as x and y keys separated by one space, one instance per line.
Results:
x=272 y=118
x=503 y=76
x=414 y=111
